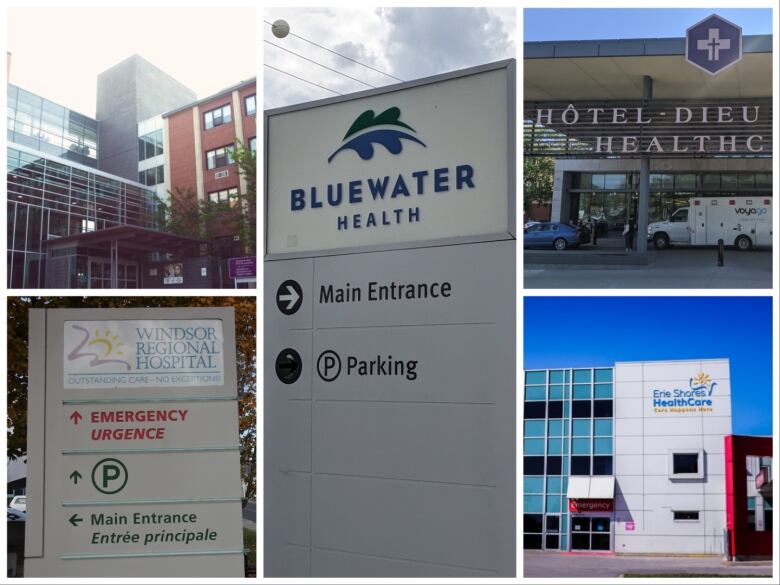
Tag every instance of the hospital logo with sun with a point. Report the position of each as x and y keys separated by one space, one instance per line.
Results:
x=702 y=381
x=101 y=346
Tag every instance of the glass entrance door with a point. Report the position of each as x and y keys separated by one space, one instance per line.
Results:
x=590 y=533
x=100 y=273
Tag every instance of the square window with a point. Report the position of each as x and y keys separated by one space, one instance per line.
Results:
x=534 y=410
x=580 y=408
x=551 y=541
x=602 y=465
x=533 y=504
x=603 y=391
x=602 y=428
x=536 y=377
x=554 y=446
x=582 y=376
x=580 y=465
x=532 y=523
x=555 y=409
x=602 y=409
x=533 y=428
x=602 y=446
x=580 y=446
x=604 y=375
x=686 y=464
x=554 y=485
x=581 y=391
x=532 y=541
x=553 y=465
x=533 y=465
x=556 y=376
x=556 y=392
x=554 y=504
x=533 y=485
x=535 y=392
x=533 y=446
x=555 y=428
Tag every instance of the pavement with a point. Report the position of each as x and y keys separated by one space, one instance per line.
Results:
x=250 y=515
x=552 y=564
x=672 y=268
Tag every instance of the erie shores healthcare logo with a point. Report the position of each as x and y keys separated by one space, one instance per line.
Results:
x=696 y=398
x=138 y=354
x=394 y=197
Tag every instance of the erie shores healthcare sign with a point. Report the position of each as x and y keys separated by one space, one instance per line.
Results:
x=137 y=354
x=391 y=168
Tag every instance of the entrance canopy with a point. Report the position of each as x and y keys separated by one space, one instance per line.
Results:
x=131 y=238
x=614 y=70
x=599 y=487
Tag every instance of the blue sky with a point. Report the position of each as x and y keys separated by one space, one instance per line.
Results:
x=598 y=331
x=572 y=24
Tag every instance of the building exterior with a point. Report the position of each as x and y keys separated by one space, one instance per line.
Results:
x=696 y=134
x=628 y=458
x=199 y=140
x=82 y=215
x=129 y=92
x=749 y=497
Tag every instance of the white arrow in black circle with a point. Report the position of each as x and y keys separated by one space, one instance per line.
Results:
x=289 y=297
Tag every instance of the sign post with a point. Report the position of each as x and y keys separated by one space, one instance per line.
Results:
x=133 y=444
x=389 y=331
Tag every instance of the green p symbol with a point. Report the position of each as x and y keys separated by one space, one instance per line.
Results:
x=109 y=476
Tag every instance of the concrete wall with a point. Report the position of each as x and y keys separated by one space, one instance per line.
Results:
x=645 y=437
x=127 y=93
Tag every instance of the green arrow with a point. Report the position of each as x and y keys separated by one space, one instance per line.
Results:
x=75 y=520
x=75 y=476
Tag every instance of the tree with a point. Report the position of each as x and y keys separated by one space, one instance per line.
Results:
x=537 y=180
x=245 y=309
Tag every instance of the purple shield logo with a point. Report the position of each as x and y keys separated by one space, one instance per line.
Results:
x=713 y=44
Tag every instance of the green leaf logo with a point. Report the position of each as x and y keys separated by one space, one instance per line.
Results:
x=390 y=117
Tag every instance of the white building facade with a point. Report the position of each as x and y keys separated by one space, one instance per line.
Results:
x=640 y=458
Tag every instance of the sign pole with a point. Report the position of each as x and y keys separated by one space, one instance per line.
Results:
x=643 y=208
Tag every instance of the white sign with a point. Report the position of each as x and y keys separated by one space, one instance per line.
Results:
x=142 y=354
x=420 y=163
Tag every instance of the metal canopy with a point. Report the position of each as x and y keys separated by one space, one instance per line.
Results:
x=133 y=238
x=611 y=70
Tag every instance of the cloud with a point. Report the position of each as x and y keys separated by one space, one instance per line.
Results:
x=405 y=42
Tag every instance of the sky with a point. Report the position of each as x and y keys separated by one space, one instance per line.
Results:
x=599 y=331
x=58 y=52
x=408 y=43
x=575 y=24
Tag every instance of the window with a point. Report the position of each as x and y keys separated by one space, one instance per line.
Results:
x=250 y=105
x=555 y=409
x=229 y=196
x=253 y=144
x=153 y=176
x=533 y=465
x=602 y=409
x=532 y=523
x=217 y=117
x=580 y=408
x=686 y=516
x=219 y=157
x=580 y=465
x=602 y=465
x=554 y=465
x=534 y=410
x=686 y=464
x=150 y=145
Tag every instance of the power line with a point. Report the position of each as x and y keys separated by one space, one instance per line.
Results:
x=302 y=79
x=339 y=54
x=319 y=64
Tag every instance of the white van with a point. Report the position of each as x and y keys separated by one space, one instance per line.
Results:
x=744 y=222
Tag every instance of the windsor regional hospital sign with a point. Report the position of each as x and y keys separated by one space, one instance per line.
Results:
x=428 y=161
x=133 y=461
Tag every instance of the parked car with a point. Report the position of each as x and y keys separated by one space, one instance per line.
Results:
x=15 y=515
x=552 y=234
x=19 y=503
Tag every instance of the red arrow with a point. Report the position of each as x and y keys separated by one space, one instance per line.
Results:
x=76 y=417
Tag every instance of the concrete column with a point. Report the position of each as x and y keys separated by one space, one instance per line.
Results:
x=238 y=119
x=643 y=208
x=198 y=154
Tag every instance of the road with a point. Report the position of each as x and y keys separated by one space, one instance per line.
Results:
x=675 y=268
x=546 y=564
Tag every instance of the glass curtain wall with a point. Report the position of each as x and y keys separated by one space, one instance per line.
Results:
x=567 y=430
x=48 y=199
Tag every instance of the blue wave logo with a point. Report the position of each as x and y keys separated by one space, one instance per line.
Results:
x=363 y=144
